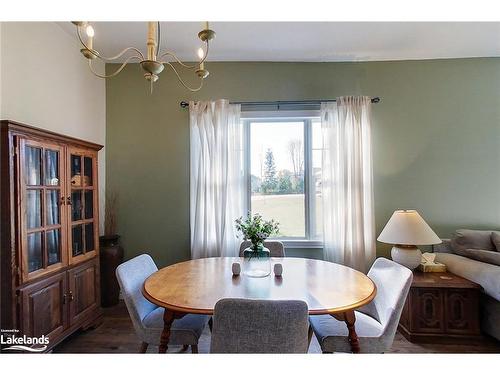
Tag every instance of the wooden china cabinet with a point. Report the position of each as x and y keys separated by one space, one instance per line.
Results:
x=49 y=233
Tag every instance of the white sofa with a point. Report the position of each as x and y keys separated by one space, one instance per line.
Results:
x=485 y=274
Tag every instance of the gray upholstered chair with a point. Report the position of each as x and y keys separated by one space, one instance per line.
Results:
x=376 y=322
x=260 y=326
x=148 y=318
x=276 y=248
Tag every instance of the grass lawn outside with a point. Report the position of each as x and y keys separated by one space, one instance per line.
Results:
x=287 y=209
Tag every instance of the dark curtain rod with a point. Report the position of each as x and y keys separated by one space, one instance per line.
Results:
x=375 y=99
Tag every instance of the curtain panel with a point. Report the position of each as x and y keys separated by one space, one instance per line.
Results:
x=216 y=177
x=347 y=187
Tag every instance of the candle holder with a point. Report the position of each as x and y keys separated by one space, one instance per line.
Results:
x=206 y=35
x=90 y=54
x=202 y=73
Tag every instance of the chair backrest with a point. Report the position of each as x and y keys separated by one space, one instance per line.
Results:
x=393 y=283
x=259 y=326
x=131 y=276
x=276 y=248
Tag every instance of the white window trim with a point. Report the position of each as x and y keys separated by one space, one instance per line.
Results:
x=305 y=116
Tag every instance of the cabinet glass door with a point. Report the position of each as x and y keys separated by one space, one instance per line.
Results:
x=41 y=199
x=83 y=200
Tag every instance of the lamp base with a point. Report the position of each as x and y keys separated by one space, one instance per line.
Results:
x=408 y=256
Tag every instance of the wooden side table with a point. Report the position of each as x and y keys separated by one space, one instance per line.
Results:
x=441 y=305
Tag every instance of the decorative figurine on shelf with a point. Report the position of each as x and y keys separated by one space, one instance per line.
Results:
x=257 y=258
x=76 y=179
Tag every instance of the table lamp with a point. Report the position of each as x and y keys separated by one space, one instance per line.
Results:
x=405 y=230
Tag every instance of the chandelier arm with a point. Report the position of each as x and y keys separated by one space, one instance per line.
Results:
x=139 y=54
x=104 y=57
x=114 y=73
x=181 y=81
x=171 y=54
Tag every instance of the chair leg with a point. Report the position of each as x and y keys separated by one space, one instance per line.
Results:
x=194 y=349
x=184 y=348
x=144 y=347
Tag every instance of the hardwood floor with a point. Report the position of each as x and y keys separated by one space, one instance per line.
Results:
x=116 y=335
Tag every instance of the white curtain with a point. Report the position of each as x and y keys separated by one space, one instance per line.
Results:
x=216 y=178
x=348 y=219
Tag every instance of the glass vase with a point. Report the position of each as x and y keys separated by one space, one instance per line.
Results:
x=257 y=261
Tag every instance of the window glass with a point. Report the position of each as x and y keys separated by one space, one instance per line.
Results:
x=34 y=208
x=51 y=167
x=35 y=251
x=33 y=166
x=76 y=205
x=52 y=206
x=317 y=170
x=89 y=237
x=89 y=204
x=87 y=178
x=77 y=237
x=76 y=170
x=277 y=174
x=53 y=246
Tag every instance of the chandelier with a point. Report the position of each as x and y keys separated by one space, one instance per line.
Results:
x=154 y=61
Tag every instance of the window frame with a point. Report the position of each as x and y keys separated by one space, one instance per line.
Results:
x=310 y=240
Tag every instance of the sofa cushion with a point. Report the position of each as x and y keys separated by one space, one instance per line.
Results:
x=492 y=257
x=485 y=274
x=464 y=239
x=495 y=238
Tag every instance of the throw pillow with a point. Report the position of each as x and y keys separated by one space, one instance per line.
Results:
x=464 y=239
x=495 y=238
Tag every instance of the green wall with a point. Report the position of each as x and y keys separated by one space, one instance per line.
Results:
x=436 y=141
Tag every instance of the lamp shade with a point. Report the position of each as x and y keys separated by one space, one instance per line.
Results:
x=406 y=227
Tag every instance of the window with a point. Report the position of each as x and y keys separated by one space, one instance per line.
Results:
x=283 y=169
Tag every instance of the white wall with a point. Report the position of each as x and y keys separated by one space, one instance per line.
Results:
x=45 y=82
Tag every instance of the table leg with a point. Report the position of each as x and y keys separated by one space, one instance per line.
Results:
x=168 y=318
x=350 y=318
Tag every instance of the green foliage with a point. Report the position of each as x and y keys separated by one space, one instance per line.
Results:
x=270 y=182
x=284 y=182
x=256 y=229
x=256 y=183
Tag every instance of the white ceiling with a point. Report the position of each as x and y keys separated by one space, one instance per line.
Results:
x=309 y=41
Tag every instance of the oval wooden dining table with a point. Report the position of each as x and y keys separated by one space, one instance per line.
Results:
x=195 y=286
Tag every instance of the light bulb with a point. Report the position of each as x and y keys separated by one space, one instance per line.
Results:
x=90 y=31
x=201 y=54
